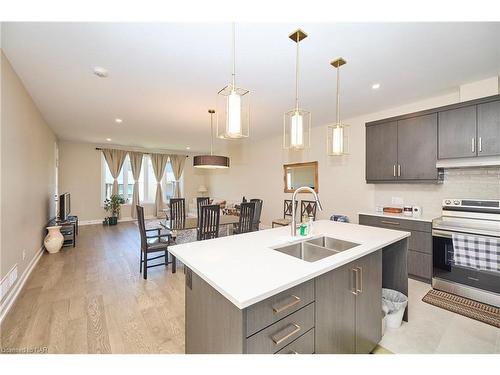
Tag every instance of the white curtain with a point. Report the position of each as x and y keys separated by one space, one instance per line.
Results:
x=159 y=162
x=135 y=165
x=115 y=159
x=177 y=162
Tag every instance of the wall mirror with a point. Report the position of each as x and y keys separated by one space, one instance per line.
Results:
x=300 y=174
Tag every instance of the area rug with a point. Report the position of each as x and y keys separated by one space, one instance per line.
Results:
x=464 y=306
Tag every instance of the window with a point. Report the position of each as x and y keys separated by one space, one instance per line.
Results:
x=147 y=181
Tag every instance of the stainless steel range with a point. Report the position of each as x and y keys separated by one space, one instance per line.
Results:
x=475 y=223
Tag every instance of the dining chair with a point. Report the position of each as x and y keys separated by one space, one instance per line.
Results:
x=152 y=243
x=177 y=213
x=308 y=208
x=257 y=213
x=245 y=224
x=209 y=221
x=200 y=201
x=287 y=214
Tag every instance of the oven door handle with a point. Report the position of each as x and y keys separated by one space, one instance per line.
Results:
x=441 y=233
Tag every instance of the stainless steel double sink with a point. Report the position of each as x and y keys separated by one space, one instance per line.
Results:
x=314 y=249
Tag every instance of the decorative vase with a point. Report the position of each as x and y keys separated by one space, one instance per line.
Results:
x=54 y=240
x=113 y=220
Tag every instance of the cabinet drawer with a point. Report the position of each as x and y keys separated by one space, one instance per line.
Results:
x=420 y=241
x=303 y=345
x=395 y=223
x=266 y=312
x=420 y=264
x=280 y=334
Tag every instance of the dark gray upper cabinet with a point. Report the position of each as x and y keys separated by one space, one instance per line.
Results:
x=457 y=133
x=417 y=148
x=488 y=129
x=381 y=151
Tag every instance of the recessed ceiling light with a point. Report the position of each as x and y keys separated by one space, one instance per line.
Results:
x=376 y=86
x=188 y=148
x=100 y=72
x=108 y=139
x=118 y=120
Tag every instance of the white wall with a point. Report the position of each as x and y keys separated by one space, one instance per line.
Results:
x=80 y=175
x=257 y=172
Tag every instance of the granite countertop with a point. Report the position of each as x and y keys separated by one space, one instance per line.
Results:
x=245 y=270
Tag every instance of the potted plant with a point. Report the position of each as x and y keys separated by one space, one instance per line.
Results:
x=113 y=205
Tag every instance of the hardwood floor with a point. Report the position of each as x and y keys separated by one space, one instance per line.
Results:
x=92 y=299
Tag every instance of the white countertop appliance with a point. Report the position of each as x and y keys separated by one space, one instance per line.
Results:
x=468 y=229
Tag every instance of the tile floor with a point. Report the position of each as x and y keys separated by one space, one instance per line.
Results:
x=434 y=330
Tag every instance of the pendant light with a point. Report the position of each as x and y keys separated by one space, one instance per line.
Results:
x=338 y=133
x=297 y=122
x=232 y=102
x=211 y=161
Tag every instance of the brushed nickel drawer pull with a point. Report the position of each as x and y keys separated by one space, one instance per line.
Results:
x=278 y=309
x=480 y=144
x=399 y=170
x=473 y=143
x=359 y=289
x=293 y=352
x=355 y=281
x=394 y=170
x=277 y=340
x=389 y=222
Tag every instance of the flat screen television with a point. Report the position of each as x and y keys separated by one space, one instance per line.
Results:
x=64 y=206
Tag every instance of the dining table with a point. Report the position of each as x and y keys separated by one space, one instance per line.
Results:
x=185 y=230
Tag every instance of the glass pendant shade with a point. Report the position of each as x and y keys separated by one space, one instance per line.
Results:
x=338 y=139
x=338 y=133
x=232 y=104
x=297 y=122
x=233 y=107
x=296 y=129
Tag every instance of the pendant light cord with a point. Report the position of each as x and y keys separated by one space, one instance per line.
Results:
x=211 y=133
x=338 y=95
x=297 y=76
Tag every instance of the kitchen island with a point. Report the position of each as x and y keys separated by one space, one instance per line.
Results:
x=250 y=293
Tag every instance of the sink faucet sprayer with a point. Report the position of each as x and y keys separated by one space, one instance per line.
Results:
x=316 y=198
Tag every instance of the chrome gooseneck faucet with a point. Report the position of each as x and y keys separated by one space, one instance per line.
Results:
x=316 y=198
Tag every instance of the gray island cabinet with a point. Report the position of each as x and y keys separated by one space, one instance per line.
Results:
x=338 y=311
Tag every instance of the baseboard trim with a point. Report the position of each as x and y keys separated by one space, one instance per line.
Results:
x=14 y=292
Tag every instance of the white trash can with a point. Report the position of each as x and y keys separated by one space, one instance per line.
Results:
x=394 y=304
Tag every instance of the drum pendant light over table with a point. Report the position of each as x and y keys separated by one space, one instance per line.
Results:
x=211 y=161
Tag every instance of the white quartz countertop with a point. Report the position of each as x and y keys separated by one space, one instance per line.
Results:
x=425 y=217
x=245 y=270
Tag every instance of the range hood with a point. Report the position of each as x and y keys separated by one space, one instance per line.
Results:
x=483 y=161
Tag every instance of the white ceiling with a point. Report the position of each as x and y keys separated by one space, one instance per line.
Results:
x=164 y=76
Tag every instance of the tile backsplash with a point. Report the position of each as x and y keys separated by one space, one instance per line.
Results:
x=478 y=183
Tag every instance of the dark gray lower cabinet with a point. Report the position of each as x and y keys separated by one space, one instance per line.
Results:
x=337 y=312
x=348 y=307
x=420 y=242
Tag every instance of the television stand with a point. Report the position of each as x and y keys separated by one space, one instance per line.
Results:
x=69 y=229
